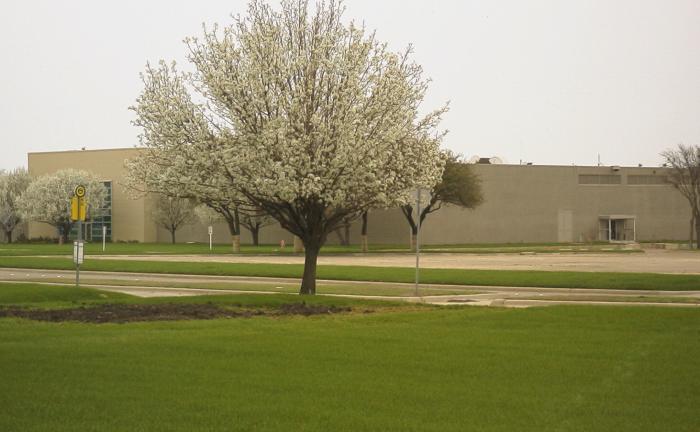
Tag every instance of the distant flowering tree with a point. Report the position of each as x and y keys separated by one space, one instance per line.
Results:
x=47 y=199
x=174 y=167
x=308 y=119
x=12 y=185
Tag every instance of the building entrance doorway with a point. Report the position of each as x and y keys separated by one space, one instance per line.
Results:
x=617 y=228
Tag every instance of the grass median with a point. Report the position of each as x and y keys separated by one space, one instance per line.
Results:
x=409 y=368
x=545 y=279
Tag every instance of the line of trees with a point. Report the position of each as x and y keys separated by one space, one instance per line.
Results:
x=45 y=199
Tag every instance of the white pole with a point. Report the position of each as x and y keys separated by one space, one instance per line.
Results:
x=104 y=237
x=417 y=241
x=211 y=231
x=609 y=230
x=77 y=247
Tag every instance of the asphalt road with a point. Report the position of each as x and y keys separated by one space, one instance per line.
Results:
x=651 y=261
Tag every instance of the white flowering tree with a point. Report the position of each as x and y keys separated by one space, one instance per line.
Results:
x=47 y=199
x=310 y=120
x=12 y=186
x=172 y=213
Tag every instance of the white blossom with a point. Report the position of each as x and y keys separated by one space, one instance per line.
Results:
x=12 y=187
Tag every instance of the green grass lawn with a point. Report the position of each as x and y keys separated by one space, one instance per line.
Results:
x=412 y=369
x=29 y=249
x=633 y=281
x=64 y=296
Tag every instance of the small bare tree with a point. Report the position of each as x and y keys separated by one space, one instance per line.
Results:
x=172 y=213
x=343 y=232
x=685 y=177
x=254 y=220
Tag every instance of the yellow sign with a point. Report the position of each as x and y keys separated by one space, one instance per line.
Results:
x=78 y=209
x=80 y=191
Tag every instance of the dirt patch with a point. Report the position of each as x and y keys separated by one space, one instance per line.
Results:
x=123 y=313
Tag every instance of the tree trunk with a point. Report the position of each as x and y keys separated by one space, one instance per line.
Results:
x=308 y=280
x=172 y=235
x=697 y=231
x=407 y=211
x=64 y=230
x=298 y=245
x=414 y=237
x=255 y=233
x=364 y=242
x=347 y=234
x=692 y=233
x=233 y=228
x=8 y=235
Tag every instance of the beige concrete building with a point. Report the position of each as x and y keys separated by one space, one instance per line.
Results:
x=523 y=203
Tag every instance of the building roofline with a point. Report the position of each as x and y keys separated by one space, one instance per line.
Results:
x=576 y=166
x=477 y=164
x=84 y=151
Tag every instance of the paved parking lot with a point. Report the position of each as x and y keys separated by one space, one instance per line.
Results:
x=650 y=261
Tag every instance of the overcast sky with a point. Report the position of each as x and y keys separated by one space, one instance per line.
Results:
x=549 y=82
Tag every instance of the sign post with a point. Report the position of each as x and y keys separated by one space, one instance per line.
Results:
x=420 y=193
x=78 y=211
x=211 y=231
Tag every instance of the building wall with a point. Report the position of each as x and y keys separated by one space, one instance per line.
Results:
x=522 y=204
x=532 y=204
x=128 y=221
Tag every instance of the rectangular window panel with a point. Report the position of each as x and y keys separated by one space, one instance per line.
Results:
x=599 y=179
x=647 y=180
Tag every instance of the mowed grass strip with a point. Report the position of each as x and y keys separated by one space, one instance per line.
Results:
x=430 y=369
x=44 y=296
x=545 y=279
